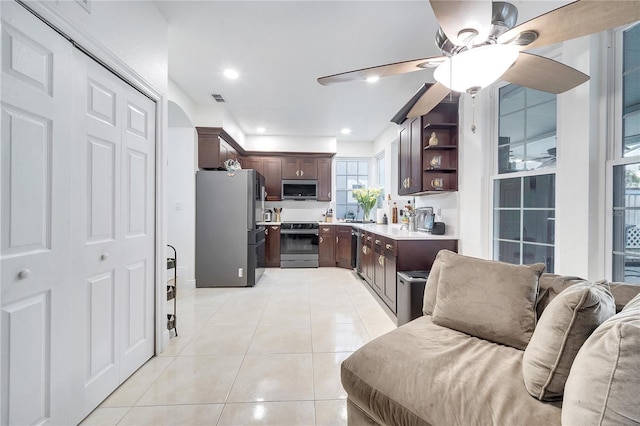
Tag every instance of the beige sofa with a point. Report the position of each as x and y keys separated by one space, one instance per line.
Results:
x=503 y=345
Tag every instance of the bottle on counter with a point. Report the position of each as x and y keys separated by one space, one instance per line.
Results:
x=394 y=213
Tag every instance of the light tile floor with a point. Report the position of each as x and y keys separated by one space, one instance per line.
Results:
x=267 y=355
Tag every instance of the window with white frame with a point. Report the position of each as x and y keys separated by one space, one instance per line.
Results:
x=350 y=174
x=626 y=164
x=524 y=187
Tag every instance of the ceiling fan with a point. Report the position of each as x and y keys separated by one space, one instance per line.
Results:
x=481 y=44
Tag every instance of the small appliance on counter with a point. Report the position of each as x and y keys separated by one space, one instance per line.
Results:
x=267 y=215
x=424 y=219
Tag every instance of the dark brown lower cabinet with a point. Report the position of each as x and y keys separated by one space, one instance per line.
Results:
x=272 y=246
x=343 y=246
x=382 y=258
x=326 y=246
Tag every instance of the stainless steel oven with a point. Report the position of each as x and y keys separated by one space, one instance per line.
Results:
x=299 y=245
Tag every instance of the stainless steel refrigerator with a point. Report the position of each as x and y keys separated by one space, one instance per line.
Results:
x=229 y=243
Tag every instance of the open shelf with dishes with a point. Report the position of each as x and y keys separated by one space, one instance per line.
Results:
x=440 y=148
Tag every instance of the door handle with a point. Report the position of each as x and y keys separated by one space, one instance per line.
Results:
x=104 y=256
x=24 y=274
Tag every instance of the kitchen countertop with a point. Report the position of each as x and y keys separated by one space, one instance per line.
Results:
x=390 y=231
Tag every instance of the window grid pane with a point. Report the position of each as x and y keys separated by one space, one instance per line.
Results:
x=527 y=129
x=350 y=174
x=524 y=207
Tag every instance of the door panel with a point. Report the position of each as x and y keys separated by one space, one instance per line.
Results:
x=77 y=240
x=100 y=341
x=137 y=194
x=136 y=295
x=114 y=192
x=27 y=167
x=101 y=199
x=27 y=359
x=35 y=187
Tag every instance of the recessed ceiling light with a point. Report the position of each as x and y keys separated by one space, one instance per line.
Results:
x=373 y=79
x=260 y=129
x=345 y=131
x=231 y=74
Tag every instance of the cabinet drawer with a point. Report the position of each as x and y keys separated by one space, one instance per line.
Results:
x=326 y=229
x=390 y=247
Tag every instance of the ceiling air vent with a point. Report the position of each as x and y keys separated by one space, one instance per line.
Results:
x=218 y=97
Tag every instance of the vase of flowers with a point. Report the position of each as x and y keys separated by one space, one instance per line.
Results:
x=367 y=198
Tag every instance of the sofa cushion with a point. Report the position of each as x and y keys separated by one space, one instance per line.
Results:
x=431 y=287
x=487 y=299
x=567 y=322
x=604 y=382
x=551 y=285
x=422 y=373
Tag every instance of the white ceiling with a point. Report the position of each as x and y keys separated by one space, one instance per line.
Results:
x=280 y=48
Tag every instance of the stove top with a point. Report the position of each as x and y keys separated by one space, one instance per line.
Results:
x=299 y=225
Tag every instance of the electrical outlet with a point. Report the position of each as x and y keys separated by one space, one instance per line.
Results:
x=240 y=272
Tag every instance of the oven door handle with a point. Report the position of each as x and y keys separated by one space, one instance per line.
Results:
x=299 y=232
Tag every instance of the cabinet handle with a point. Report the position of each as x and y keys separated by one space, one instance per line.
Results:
x=381 y=260
x=378 y=242
x=328 y=195
x=266 y=231
x=321 y=239
x=364 y=250
x=368 y=238
x=336 y=240
x=326 y=229
x=388 y=246
x=275 y=228
x=24 y=274
x=301 y=172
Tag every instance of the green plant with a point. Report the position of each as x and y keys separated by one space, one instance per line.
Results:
x=367 y=198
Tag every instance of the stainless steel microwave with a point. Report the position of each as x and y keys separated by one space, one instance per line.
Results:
x=299 y=189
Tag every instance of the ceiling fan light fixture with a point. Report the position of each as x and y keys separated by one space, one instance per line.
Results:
x=476 y=68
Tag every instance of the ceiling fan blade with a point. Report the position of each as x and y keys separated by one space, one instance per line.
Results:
x=540 y=73
x=383 y=70
x=457 y=16
x=429 y=99
x=575 y=20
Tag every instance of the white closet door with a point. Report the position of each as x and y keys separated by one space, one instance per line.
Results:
x=113 y=230
x=35 y=198
x=138 y=233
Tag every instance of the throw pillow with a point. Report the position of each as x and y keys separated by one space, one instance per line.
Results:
x=492 y=300
x=603 y=384
x=566 y=323
x=431 y=287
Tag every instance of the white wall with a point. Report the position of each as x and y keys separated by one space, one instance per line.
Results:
x=324 y=144
x=355 y=149
x=134 y=32
x=181 y=196
x=581 y=161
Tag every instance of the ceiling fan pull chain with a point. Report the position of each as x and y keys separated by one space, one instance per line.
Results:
x=473 y=114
